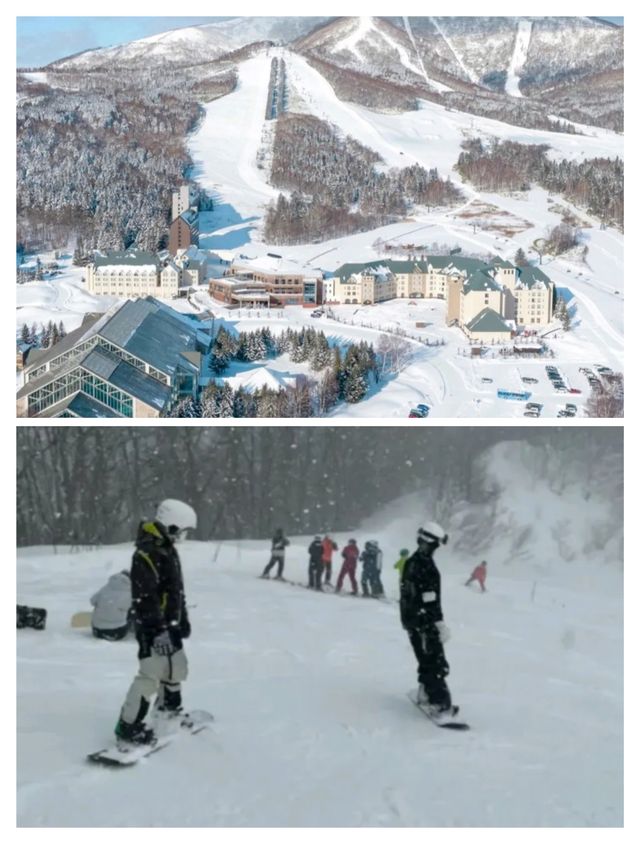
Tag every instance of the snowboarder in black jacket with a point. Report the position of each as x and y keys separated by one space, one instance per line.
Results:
x=161 y=620
x=421 y=617
x=278 y=544
x=315 y=563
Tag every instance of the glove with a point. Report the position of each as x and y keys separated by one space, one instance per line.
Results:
x=443 y=631
x=163 y=645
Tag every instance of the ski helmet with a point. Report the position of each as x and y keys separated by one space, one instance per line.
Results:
x=432 y=534
x=317 y=538
x=404 y=552
x=176 y=516
x=352 y=542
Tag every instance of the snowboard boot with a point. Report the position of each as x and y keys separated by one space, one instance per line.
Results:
x=422 y=696
x=136 y=733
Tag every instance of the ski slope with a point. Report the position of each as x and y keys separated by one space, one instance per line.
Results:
x=312 y=725
x=518 y=58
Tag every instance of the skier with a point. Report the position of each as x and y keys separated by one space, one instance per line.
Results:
x=315 y=563
x=480 y=574
x=371 y=566
x=161 y=620
x=278 y=544
x=350 y=554
x=112 y=608
x=328 y=547
x=399 y=564
x=421 y=617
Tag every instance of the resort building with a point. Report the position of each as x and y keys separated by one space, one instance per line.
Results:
x=282 y=282
x=134 y=361
x=132 y=274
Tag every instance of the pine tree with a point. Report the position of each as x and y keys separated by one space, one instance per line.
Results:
x=520 y=259
x=62 y=332
x=25 y=334
x=33 y=335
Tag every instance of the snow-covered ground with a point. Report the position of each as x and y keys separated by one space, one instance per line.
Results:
x=430 y=137
x=312 y=725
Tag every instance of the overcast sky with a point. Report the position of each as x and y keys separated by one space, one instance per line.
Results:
x=41 y=40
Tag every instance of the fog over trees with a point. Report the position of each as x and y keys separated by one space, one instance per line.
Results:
x=92 y=485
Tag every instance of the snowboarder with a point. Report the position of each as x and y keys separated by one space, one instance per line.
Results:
x=399 y=564
x=315 y=563
x=480 y=574
x=161 y=620
x=111 y=615
x=421 y=617
x=328 y=547
x=371 y=567
x=350 y=554
x=278 y=544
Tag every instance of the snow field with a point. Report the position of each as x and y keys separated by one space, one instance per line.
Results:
x=312 y=726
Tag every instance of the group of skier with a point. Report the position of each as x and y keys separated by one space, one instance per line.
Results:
x=320 y=568
x=161 y=622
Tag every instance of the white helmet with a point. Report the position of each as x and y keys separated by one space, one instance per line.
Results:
x=176 y=516
x=431 y=532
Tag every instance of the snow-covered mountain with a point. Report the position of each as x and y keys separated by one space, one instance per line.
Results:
x=312 y=725
x=195 y=44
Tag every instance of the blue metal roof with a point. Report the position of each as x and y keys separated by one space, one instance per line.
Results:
x=85 y=406
x=141 y=386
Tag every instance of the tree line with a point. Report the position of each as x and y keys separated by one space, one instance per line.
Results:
x=86 y=485
x=596 y=184
x=335 y=186
x=43 y=337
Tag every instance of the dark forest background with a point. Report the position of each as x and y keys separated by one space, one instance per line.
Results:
x=92 y=485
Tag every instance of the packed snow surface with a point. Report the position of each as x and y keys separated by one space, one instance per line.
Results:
x=313 y=728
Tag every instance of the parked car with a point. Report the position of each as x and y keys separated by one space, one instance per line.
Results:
x=415 y=414
x=604 y=370
x=487 y=380
x=563 y=413
x=423 y=408
x=527 y=379
x=532 y=414
x=533 y=405
x=560 y=388
x=575 y=391
x=571 y=408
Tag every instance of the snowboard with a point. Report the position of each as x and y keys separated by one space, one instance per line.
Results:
x=121 y=756
x=81 y=619
x=446 y=725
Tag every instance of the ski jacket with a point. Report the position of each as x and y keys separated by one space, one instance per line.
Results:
x=278 y=544
x=157 y=587
x=399 y=564
x=350 y=554
x=315 y=552
x=480 y=574
x=328 y=547
x=112 y=603
x=371 y=559
x=420 y=605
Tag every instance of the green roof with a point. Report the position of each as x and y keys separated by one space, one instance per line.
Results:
x=347 y=270
x=131 y=258
x=530 y=276
x=488 y=320
x=481 y=280
x=500 y=262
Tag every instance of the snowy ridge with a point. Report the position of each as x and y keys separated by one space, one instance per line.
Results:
x=518 y=59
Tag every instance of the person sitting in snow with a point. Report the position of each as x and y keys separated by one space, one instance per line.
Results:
x=480 y=574
x=111 y=618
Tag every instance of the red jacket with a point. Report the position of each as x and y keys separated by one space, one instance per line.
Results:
x=351 y=554
x=479 y=574
x=328 y=547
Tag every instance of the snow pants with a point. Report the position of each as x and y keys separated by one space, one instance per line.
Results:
x=371 y=583
x=276 y=557
x=481 y=582
x=326 y=564
x=432 y=665
x=161 y=675
x=315 y=574
x=348 y=570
